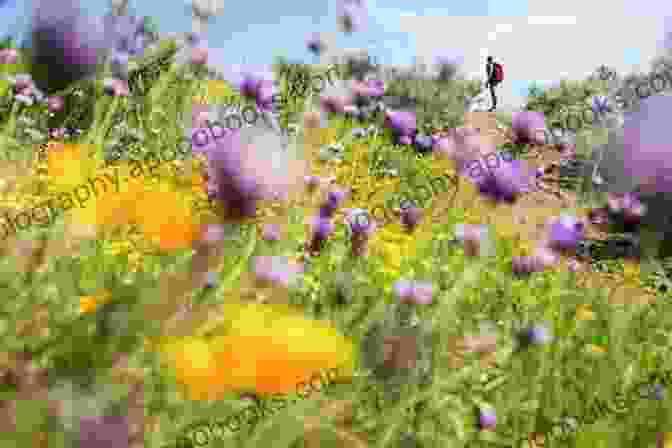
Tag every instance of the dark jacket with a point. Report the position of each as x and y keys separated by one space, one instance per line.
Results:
x=490 y=72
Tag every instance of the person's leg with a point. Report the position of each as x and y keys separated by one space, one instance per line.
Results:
x=494 y=98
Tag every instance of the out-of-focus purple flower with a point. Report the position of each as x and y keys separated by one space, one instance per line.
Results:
x=351 y=15
x=245 y=167
x=336 y=104
x=115 y=87
x=270 y=232
x=647 y=138
x=276 y=270
x=403 y=288
x=258 y=85
x=525 y=265
x=401 y=122
x=487 y=419
x=361 y=228
x=472 y=236
x=567 y=150
x=66 y=45
x=103 y=432
x=600 y=105
x=55 y=103
x=423 y=142
x=598 y=216
x=411 y=217
x=321 y=229
x=529 y=127
x=199 y=55
x=57 y=133
x=659 y=391
x=334 y=200
x=316 y=44
x=628 y=206
x=573 y=265
x=9 y=56
x=372 y=88
x=506 y=182
x=214 y=233
x=534 y=335
x=405 y=140
x=565 y=232
x=418 y=292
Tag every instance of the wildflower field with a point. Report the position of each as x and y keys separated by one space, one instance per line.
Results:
x=368 y=265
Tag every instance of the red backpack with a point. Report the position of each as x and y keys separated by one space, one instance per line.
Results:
x=498 y=75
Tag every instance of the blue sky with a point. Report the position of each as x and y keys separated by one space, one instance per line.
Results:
x=257 y=32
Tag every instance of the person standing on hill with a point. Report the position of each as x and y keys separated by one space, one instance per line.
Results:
x=495 y=75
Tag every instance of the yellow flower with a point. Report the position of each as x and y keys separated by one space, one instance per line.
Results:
x=88 y=304
x=257 y=347
x=667 y=440
x=68 y=165
x=584 y=312
x=166 y=217
x=597 y=348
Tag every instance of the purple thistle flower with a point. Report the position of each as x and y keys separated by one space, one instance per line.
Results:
x=487 y=419
x=410 y=217
x=573 y=265
x=533 y=335
x=403 y=288
x=322 y=228
x=9 y=56
x=67 y=46
x=270 y=232
x=351 y=15
x=55 y=103
x=361 y=227
x=540 y=260
x=258 y=87
x=418 y=292
x=424 y=142
x=312 y=182
x=646 y=145
x=372 y=88
x=316 y=44
x=105 y=432
x=334 y=199
x=659 y=391
x=528 y=127
x=506 y=182
x=600 y=105
x=405 y=140
x=472 y=237
x=565 y=232
x=598 y=216
x=422 y=292
x=526 y=265
x=402 y=122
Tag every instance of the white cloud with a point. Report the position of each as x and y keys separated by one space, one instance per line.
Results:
x=557 y=40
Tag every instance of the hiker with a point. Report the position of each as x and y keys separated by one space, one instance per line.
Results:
x=495 y=75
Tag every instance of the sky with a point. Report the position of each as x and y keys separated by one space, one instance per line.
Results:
x=540 y=41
